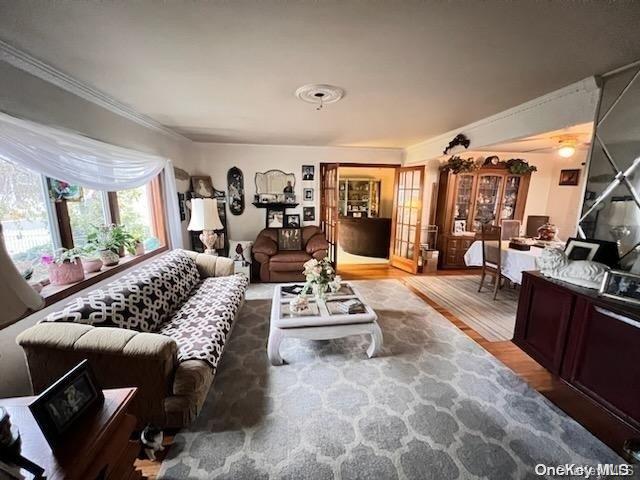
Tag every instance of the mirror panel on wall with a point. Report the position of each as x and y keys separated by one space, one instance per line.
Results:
x=611 y=209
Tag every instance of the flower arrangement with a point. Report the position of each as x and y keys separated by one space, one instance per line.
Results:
x=519 y=166
x=319 y=274
x=457 y=164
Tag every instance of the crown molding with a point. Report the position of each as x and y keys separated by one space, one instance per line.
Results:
x=44 y=71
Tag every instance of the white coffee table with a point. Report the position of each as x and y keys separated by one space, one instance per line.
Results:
x=323 y=322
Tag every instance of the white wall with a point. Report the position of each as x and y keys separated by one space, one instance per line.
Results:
x=216 y=159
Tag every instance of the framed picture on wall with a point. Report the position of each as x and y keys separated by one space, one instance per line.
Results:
x=292 y=220
x=309 y=214
x=308 y=194
x=201 y=187
x=275 y=219
x=570 y=177
x=308 y=172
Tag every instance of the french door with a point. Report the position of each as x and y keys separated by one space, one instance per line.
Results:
x=329 y=207
x=407 y=219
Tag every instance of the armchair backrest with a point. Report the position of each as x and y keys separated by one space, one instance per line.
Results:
x=307 y=232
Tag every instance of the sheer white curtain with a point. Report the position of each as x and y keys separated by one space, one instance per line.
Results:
x=93 y=164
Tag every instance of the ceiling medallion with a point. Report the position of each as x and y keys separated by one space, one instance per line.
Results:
x=319 y=94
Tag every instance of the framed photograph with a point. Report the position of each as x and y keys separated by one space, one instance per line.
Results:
x=579 y=250
x=289 y=198
x=623 y=286
x=59 y=190
x=292 y=220
x=268 y=198
x=275 y=219
x=459 y=226
x=61 y=405
x=309 y=214
x=289 y=239
x=308 y=194
x=202 y=187
x=308 y=172
x=569 y=177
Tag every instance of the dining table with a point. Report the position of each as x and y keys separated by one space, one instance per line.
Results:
x=513 y=263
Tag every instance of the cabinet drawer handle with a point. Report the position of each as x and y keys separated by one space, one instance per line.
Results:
x=619 y=317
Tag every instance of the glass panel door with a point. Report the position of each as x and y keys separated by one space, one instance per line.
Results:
x=487 y=201
x=329 y=206
x=405 y=231
x=462 y=206
x=510 y=198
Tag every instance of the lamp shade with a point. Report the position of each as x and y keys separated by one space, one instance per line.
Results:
x=204 y=215
x=16 y=295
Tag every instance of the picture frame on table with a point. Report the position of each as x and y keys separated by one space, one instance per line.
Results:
x=275 y=219
x=62 y=405
x=289 y=239
x=309 y=214
x=201 y=187
x=622 y=286
x=569 y=177
x=459 y=227
x=581 y=250
x=292 y=220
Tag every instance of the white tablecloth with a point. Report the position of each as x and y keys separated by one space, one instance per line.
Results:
x=514 y=262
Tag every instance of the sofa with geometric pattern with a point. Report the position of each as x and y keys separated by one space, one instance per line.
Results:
x=161 y=328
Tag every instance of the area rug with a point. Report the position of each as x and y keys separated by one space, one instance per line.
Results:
x=493 y=319
x=435 y=405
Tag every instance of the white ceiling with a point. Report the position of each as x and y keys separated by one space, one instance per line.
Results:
x=226 y=71
x=545 y=142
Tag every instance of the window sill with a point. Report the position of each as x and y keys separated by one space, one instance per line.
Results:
x=55 y=293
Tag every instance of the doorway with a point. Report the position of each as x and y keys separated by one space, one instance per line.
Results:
x=357 y=212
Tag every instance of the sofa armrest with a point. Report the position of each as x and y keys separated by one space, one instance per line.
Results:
x=118 y=357
x=211 y=265
x=317 y=246
x=264 y=248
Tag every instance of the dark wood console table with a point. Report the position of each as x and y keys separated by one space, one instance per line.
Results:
x=591 y=343
x=100 y=448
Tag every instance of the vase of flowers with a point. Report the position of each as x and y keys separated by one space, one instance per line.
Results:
x=319 y=275
x=65 y=266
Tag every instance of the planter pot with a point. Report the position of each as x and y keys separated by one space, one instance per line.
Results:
x=91 y=265
x=139 y=249
x=65 y=273
x=109 y=258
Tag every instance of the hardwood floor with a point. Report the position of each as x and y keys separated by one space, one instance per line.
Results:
x=538 y=378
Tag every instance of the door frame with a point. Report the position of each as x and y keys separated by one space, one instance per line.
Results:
x=322 y=167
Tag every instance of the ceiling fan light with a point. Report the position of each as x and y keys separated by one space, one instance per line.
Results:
x=566 y=151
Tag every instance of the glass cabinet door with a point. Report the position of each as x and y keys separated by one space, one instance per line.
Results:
x=487 y=201
x=510 y=197
x=462 y=207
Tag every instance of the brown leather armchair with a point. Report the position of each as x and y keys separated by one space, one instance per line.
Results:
x=286 y=266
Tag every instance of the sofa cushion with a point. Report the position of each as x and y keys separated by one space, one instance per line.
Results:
x=201 y=325
x=288 y=262
x=140 y=300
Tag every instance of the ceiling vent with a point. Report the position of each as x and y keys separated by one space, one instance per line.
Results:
x=319 y=94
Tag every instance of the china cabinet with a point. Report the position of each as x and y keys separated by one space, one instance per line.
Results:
x=359 y=197
x=468 y=200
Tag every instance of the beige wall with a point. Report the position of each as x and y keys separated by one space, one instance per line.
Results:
x=216 y=159
x=387 y=177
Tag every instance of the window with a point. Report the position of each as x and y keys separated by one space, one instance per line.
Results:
x=26 y=220
x=86 y=212
x=40 y=215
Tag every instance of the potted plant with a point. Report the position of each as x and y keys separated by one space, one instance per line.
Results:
x=65 y=266
x=457 y=164
x=107 y=243
x=123 y=239
x=519 y=166
x=91 y=261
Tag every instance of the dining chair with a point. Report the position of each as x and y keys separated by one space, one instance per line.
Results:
x=491 y=237
x=510 y=229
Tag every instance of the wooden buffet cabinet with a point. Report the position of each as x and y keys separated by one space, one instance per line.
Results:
x=490 y=195
x=592 y=344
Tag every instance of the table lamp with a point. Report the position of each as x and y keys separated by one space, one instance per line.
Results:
x=204 y=218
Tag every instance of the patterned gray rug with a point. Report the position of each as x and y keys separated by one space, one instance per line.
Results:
x=435 y=405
